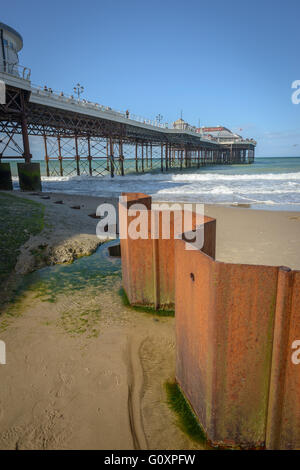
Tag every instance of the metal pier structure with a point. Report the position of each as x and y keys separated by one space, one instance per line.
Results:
x=81 y=137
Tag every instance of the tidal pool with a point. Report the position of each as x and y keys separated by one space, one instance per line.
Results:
x=97 y=271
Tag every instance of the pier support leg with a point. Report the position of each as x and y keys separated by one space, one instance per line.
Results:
x=60 y=156
x=147 y=160
x=107 y=155
x=26 y=154
x=5 y=177
x=29 y=173
x=29 y=176
x=121 y=157
x=136 y=158
x=46 y=155
x=77 y=157
x=89 y=156
x=112 y=165
x=166 y=156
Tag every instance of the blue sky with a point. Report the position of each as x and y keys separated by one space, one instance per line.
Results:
x=226 y=63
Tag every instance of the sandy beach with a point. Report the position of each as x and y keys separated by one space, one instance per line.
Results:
x=244 y=235
x=102 y=387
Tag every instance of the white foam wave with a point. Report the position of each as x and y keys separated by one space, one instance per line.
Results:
x=268 y=188
x=184 y=177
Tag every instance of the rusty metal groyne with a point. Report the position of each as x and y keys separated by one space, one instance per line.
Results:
x=235 y=329
x=148 y=267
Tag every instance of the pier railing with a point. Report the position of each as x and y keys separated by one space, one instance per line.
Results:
x=86 y=104
x=108 y=139
x=16 y=70
x=24 y=73
x=70 y=99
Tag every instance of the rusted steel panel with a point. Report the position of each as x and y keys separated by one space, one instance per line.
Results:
x=224 y=344
x=236 y=326
x=283 y=430
x=148 y=264
x=243 y=335
x=194 y=329
x=137 y=255
x=290 y=427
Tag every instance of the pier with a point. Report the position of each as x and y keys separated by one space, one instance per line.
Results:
x=85 y=138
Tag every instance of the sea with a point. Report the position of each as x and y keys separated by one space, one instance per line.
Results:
x=268 y=183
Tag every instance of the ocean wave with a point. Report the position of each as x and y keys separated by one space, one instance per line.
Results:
x=268 y=188
x=184 y=177
x=237 y=177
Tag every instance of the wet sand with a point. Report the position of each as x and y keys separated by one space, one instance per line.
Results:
x=67 y=390
x=102 y=386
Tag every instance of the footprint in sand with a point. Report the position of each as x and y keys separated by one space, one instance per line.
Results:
x=108 y=379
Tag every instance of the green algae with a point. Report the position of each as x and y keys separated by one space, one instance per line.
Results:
x=144 y=308
x=82 y=320
x=97 y=271
x=82 y=280
x=19 y=218
x=5 y=177
x=186 y=419
x=29 y=176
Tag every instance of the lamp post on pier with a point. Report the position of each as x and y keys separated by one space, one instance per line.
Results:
x=78 y=90
x=159 y=118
